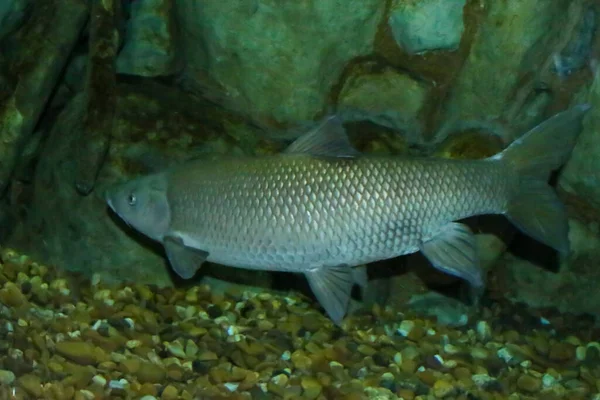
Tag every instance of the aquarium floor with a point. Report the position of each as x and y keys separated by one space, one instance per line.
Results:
x=66 y=337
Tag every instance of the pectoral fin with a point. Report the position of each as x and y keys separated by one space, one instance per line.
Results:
x=186 y=261
x=452 y=249
x=332 y=286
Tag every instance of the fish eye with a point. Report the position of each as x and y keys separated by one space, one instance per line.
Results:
x=131 y=199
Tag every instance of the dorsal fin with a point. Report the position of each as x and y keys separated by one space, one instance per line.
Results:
x=329 y=139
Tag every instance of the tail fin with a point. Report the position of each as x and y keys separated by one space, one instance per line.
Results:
x=535 y=209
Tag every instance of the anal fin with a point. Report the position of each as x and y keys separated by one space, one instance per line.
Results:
x=332 y=287
x=185 y=261
x=453 y=250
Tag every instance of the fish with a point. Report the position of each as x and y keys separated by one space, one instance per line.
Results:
x=323 y=209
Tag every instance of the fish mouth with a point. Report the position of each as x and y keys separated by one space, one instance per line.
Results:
x=112 y=207
x=109 y=201
x=110 y=204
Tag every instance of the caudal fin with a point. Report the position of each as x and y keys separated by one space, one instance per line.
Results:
x=535 y=208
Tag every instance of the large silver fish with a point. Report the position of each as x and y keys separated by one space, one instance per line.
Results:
x=322 y=209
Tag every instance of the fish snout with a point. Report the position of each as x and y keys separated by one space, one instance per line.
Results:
x=108 y=199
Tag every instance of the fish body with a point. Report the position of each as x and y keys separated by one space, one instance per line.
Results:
x=294 y=212
x=322 y=209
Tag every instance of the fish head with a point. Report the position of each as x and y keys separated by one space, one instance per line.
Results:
x=143 y=204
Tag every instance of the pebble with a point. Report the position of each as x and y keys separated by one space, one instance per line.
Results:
x=12 y=296
x=231 y=386
x=548 y=380
x=406 y=327
x=150 y=372
x=85 y=394
x=176 y=349
x=311 y=388
x=191 y=349
x=530 y=384
x=193 y=344
x=337 y=370
x=443 y=389
x=170 y=393
x=541 y=345
x=207 y=356
x=6 y=377
x=366 y=350
x=561 y=352
x=300 y=360
x=480 y=353
x=265 y=325
x=484 y=331
x=31 y=384
x=118 y=384
x=82 y=353
x=99 y=380
x=481 y=380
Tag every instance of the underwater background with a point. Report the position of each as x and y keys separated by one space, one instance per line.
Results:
x=93 y=93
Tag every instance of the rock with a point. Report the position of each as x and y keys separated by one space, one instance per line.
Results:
x=386 y=97
x=581 y=174
x=575 y=279
x=31 y=79
x=511 y=42
x=577 y=51
x=425 y=25
x=149 y=46
x=528 y=383
x=276 y=60
x=82 y=353
x=71 y=230
x=12 y=13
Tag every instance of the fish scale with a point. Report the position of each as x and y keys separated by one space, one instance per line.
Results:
x=287 y=212
x=323 y=209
